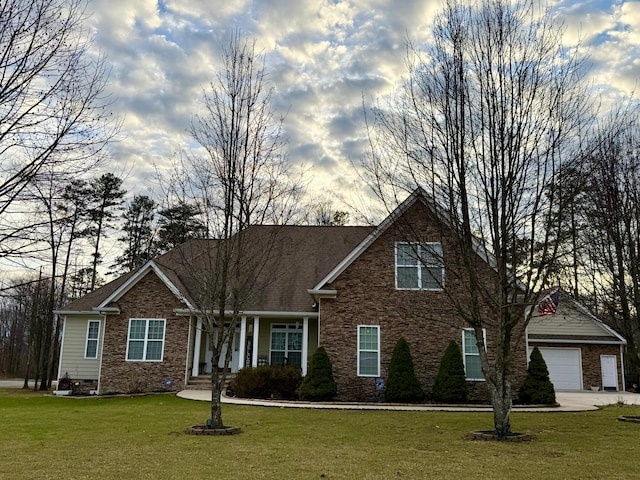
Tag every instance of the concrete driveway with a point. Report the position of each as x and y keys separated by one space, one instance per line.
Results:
x=585 y=400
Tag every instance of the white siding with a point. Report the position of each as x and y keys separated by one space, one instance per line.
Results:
x=566 y=321
x=74 y=343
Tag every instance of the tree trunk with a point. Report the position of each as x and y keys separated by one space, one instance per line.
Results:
x=217 y=382
x=501 y=402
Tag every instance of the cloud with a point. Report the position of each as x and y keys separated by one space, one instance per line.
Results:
x=321 y=57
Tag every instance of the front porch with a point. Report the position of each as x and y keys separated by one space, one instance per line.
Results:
x=275 y=339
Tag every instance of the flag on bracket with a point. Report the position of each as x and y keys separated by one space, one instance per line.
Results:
x=549 y=304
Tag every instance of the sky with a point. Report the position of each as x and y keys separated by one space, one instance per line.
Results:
x=323 y=59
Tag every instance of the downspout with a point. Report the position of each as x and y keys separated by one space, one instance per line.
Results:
x=624 y=386
x=104 y=329
x=186 y=362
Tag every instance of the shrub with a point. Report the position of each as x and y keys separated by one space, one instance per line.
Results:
x=268 y=381
x=285 y=381
x=318 y=384
x=402 y=385
x=450 y=385
x=537 y=387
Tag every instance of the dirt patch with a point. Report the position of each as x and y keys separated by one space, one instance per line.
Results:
x=629 y=418
x=490 y=435
x=205 y=430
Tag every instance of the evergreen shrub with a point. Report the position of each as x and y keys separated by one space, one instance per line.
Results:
x=402 y=385
x=268 y=381
x=318 y=384
x=537 y=388
x=450 y=385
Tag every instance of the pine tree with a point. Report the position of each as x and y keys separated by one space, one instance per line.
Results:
x=402 y=383
x=318 y=384
x=537 y=387
x=450 y=385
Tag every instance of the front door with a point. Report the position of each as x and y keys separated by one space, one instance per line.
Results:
x=233 y=366
x=609 y=366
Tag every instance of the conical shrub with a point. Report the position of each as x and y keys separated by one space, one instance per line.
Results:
x=450 y=385
x=318 y=384
x=537 y=387
x=402 y=384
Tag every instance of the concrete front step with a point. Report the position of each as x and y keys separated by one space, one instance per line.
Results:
x=203 y=382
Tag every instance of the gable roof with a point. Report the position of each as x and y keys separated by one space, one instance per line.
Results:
x=305 y=255
x=572 y=322
x=419 y=194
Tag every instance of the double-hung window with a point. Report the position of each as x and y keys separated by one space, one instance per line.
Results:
x=145 y=341
x=471 y=354
x=368 y=351
x=93 y=335
x=419 y=266
x=286 y=345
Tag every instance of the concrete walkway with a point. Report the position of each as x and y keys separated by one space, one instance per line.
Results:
x=569 y=402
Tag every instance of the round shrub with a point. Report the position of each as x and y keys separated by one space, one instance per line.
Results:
x=318 y=384
x=402 y=385
x=537 y=388
x=268 y=381
x=450 y=385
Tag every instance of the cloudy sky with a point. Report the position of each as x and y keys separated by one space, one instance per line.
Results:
x=322 y=58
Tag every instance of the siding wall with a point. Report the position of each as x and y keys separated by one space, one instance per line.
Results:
x=75 y=340
x=566 y=321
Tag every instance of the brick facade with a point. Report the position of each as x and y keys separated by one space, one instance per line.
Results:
x=149 y=298
x=366 y=295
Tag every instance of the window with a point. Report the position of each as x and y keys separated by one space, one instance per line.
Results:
x=286 y=345
x=419 y=266
x=368 y=351
x=471 y=355
x=146 y=339
x=93 y=334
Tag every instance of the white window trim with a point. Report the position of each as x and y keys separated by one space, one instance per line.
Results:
x=464 y=354
x=419 y=269
x=284 y=327
x=377 y=374
x=146 y=340
x=97 y=339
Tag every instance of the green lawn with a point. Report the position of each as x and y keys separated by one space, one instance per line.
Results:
x=143 y=437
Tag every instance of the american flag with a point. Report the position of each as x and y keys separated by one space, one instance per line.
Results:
x=549 y=304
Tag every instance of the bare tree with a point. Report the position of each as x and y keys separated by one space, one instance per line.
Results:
x=609 y=208
x=54 y=115
x=239 y=179
x=324 y=212
x=484 y=123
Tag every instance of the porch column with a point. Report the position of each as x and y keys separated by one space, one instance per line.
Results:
x=243 y=342
x=305 y=344
x=195 y=369
x=256 y=334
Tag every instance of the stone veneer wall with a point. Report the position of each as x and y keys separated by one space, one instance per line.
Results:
x=591 y=369
x=427 y=320
x=149 y=298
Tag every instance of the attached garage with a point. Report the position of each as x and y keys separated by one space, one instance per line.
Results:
x=581 y=352
x=565 y=367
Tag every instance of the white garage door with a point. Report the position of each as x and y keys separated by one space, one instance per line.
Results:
x=564 y=367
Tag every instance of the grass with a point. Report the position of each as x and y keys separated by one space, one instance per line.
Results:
x=42 y=436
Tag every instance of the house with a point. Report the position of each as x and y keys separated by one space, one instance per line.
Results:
x=353 y=290
x=580 y=351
